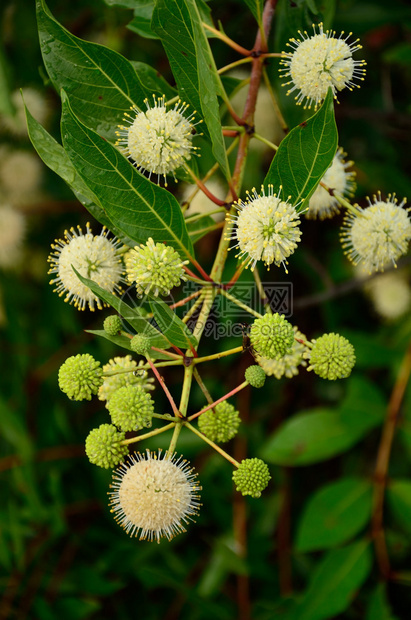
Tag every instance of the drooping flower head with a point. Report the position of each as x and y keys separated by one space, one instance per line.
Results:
x=322 y=204
x=94 y=256
x=378 y=235
x=155 y=268
x=157 y=140
x=266 y=229
x=154 y=496
x=319 y=62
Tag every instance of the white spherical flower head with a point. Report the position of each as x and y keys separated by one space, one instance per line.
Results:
x=390 y=294
x=154 y=496
x=378 y=235
x=324 y=205
x=119 y=378
x=94 y=256
x=12 y=231
x=319 y=62
x=157 y=140
x=266 y=229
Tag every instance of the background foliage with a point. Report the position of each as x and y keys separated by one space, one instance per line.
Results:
x=304 y=550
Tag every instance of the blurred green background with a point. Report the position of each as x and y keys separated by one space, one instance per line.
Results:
x=61 y=553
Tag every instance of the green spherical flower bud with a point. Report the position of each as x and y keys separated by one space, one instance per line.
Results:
x=332 y=357
x=155 y=268
x=140 y=344
x=103 y=446
x=80 y=377
x=272 y=336
x=255 y=376
x=112 y=325
x=251 y=477
x=131 y=408
x=221 y=423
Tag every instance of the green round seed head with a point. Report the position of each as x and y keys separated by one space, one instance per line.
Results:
x=80 y=377
x=112 y=325
x=103 y=446
x=332 y=357
x=272 y=336
x=251 y=477
x=131 y=408
x=255 y=376
x=140 y=345
x=221 y=423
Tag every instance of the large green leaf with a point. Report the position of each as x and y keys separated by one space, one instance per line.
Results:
x=171 y=325
x=131 y=315
x=335 y=581
x=318 y=434
x=138 y=208
x=334 y=514
x=378 y=605
x=256 y=8
x=179 y=26
x=102 y=83
x=304 y=155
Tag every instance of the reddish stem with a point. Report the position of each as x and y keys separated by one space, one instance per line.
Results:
x=165 y=388
x=220 y=400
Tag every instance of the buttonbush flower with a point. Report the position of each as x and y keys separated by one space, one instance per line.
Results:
x=266 y=229
x=157 y=140
x=319 y=62
x=103 y=447
x=154 y=496
x=80 y=377
x=135 y=376
x=378 y=235
x=155 y=268
x=252 y=477
x=288 y=364
x=390 y=294
x=112 y=324
x=332 y=357
x=94 y=256
x=221 y=423
x=322 y=204
x=255 y=376
x=272 y=336
x=131 y=408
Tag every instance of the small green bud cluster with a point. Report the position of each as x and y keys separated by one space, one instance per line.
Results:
x=103 y=447
x=251 y=477
x=112 y=325
x=80 y=377
x=272 y=336
x=140 y=344
x=221 y=423
x=255 y=376
x=131 y=408
x=332 y=357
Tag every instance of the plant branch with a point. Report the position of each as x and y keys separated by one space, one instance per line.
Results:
x=212 y=444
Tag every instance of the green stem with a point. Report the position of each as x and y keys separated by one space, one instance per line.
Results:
x=156 y=431
x=202 y=386
x=235 y=64
x=265 y=141
x=240 y=304
x=261 y=291
x=217 y=356
x=173 y=442
x=198 y=216
x=193 y=308
x=212 y=444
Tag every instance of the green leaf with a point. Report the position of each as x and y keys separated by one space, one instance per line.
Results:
x=308 y=437
x=141 y=22
x=118 y=339
x=131 y=315
x=378 y=606
x=14 y=431
x=198 y=228
x=334 y=514
x=137 y=207
x=304 y=156
x=335 y=581
x=318 y=434
x=102 y=83
x=153 y=80
x=179 y=26
x=256 y=8
x=399 y=501
x=171 y=325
